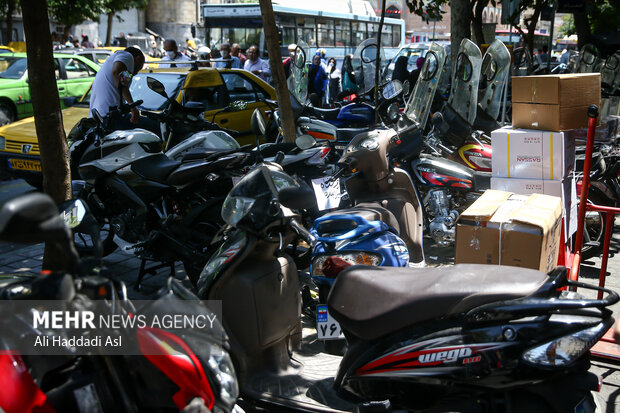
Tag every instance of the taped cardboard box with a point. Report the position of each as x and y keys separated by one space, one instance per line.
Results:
x=554 y=102
x=533 y=154
x=564 y=189
x=503 y=228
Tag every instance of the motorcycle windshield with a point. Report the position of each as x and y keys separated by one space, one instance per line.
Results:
x=364 y=64
x=421 y=98
x=495 y=65
x=610 y=72
x=298 y=79
x=464 y=92
x=588 y=57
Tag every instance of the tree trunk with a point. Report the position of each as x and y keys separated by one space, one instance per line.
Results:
x=477 y=21
x=9 y=20
x=277 y=70
x=47 y=115
x=582 y=27
x=108 y=35
x=459 y=25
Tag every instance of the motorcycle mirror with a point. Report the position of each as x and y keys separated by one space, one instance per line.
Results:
x=258 y=124
x=305 y=141
x=369 y=53
x=156 y=86
x=297 y=197
x=392 y=89
x=437 y=120
x=97 y=116
x=31 y=218
x=73 y=213
x=406 y=87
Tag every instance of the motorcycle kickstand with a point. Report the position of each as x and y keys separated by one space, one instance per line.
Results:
x=151 y=270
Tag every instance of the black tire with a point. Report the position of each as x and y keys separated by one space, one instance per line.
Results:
x=7 y=113
x=594 y=231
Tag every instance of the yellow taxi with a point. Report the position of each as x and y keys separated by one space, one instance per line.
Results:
x=215 y=88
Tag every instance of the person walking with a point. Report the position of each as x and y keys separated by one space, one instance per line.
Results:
x=335 y=86
x=236 y=51
x=173 y=55
x=349 y=84
x=257 y=65
x=227 y=60
x=317 y=81
x=289 y=60
x=86 y=42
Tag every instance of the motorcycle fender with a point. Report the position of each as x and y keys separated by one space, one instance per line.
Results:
x=431 y=171
x=603 y=191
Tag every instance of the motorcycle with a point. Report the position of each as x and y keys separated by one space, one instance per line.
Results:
x=463 y=338
x=152 y=206
x=173 y=372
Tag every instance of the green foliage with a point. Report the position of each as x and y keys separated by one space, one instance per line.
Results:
x=605 y=16
x=72 y=12
x=114 y=6
x=5 y=5
x=568 y=26
x=429 y=11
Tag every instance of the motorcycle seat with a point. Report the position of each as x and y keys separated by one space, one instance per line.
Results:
x=324 y=114
x=155 y=168
x=346 y=134
x=371 y=302
x=371 y=211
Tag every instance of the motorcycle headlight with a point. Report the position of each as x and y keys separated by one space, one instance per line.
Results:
x=392 y=111
x=2 y=143
x=565 y=350
x=353 y=258
x=222 y=367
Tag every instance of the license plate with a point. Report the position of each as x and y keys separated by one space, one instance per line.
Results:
x=326 y=327
x=25 y=165
x=327 y=192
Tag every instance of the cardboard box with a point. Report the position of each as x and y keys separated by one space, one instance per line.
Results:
x=508 y=229
x=564 y=189
x=526 y=153
x=554 y=102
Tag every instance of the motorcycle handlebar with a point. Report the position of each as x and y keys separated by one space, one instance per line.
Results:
x=303 y=232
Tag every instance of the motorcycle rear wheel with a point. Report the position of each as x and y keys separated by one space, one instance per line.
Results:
x=85 y=246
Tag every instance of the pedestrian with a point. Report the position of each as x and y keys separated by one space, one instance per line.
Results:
x=76 y=43
x=257 y=65
x=400 y=69
x=317 y=81
x=236 y=51
x=227 y=60
x=289 y=60
x=173 y=55
x=415 y=73
x=322 y=53
x=565 y=57
x=204 y=53
x=349 y=83
x=111 y=84
x=335 y=86
x=122 y=40
x=86 y=42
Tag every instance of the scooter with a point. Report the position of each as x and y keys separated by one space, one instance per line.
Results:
x=471 y=338
x=171 y=372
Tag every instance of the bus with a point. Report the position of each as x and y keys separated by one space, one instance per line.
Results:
x=337 y=31
x=540 y=39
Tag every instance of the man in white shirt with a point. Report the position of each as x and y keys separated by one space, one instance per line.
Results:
x=172 y=54
x=257 y=65
x=109 y=81
x=227 y=60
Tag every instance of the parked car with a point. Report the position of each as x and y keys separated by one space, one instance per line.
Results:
x=96 y=55
x=74 y=74
x=413 y=51
x=216 y=88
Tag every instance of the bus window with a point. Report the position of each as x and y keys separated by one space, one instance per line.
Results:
x=252 y=37
x=325 y=32
x=215 y=36
x=343 y=33
x=287 y=24
x=386 y=36
x=358 y=29
x=372 y=30
x=305 y=30
x=396 y=36
x=237 y=35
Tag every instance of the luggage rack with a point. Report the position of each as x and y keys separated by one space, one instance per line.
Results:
x=606 y=348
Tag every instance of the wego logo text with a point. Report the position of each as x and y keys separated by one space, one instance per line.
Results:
x=449 y=356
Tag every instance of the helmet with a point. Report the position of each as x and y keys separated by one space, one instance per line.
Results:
x=321 y=52
x=203 y=52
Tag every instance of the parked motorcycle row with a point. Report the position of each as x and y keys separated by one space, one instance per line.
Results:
x=351 y=203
